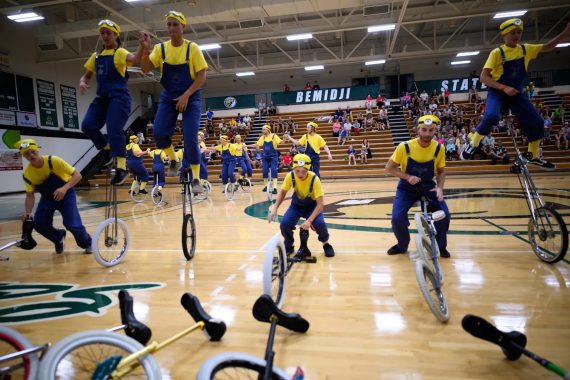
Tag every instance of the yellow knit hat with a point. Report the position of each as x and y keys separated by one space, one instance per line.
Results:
x=313 y=125
x=507 y=26
x=26 y=144
x=302 y=160
x=267 y=126
x=133 y=138
x=428 y=120
x=108 y=24
x=179 y=16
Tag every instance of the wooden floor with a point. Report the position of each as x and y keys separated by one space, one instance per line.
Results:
x=368 y=318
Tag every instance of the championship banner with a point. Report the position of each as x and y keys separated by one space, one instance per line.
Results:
x=10 y=158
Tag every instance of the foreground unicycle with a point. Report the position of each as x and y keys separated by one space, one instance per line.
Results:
x=136 y=193
x=188 y=223
x=110 y=242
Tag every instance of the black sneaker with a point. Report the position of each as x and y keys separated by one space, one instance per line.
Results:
x=274 y=191
x=174 y=168
x=467 y=153
x=329 y=250
x=444 y=253
x=107 y=158
x=182 y=189
x=395 y=250
x=264 y=189
x=88 y=250
x=60 y=245
x=290 y=251
x=120 y=177
x=143 y=191
x=197 y=187
x=546 y=165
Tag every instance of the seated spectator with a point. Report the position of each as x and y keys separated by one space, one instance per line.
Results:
x=257 y=157
x=286 y=88
x=286 y=160
x=547 y=129
x=424 y=96
x=563 y=135
x=316 y=86
x=261 y=108
x=434 y=96
x=364 y=152
x=356 y=128
x=557 y=114
x=247 y=121
x=368 y=101
x=348 y=113
x=149 y=128
x=141 y=137
x=308 y=86
x=351 y=155
x=530 y=90
x=406 y=100
x=488 y=141
x=369 y=121
x=450 y=149
x=383 y=116
x=343 y=135
x=366 y=146
x=380 y=101
x=498 y=152
x=472 y=96
x=335 y=128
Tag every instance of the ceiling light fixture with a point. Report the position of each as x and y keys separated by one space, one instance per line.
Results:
x=316 y=67
x=245 y=74
x=564 y=44
x=295 y=37
x=460 y=62
x=25 y=17
x=381 y=28
x=467 y=53
x=510 y=14
x=378 y=62
x=209 y=46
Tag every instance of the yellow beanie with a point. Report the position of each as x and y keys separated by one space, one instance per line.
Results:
x=428 y=120
x=302 y=160
x=108 y=24
x=267 y=126
x=313 y=125
x=25 y=145
x=177 y=16
x=507 y=26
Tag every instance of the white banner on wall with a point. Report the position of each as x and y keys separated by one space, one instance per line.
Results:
x=25 y=119
x=10 y=158
x=7 y=117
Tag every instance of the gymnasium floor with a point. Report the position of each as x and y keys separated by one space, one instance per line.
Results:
x=368 y=318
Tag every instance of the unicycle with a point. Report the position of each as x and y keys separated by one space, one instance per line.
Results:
x=270 y=195
x=136 y=193
x=110 y=242
x=547 y=232
x=157 y=196
x=245 y=184
x=428 y=272
x=207 y=190
x=277 y=265
x=230 y=190
x=188 y=223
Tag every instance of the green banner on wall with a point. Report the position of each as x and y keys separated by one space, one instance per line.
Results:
x=46 y=100
x=231 y=102
x=335 y=94
x=69 y=107
x=455 y=85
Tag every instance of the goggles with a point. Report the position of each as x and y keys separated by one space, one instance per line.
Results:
x=108 y=24
x=176 y=15
x=26 y=145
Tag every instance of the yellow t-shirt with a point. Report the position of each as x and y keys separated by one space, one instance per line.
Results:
x=176 y=55
x=155 y=152
x=240 y=148
x=419 y=154
x=276 y=140
x=316 y=141
x=180 y=153
x=302 y=187
x=227 y=146
x=202 y=146
x=495 y=62
x=135 y=147
x=120 y=60
x=37 y=176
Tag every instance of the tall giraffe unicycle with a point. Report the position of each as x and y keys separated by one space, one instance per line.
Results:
x=111 y=239
x=188 y=224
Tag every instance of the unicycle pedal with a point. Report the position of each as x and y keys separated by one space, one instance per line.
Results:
x=516 y=169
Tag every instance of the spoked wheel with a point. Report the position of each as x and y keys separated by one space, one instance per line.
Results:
x=235 y=365
x=135 y=193
x=549 y=236
x=431 y=292
x=157 y=196
x=245 y=185
x=270 y=194
x=24 y=367
x=207 y=189
x=78 y=355
x=110 y=243
x=188 y=226
x=275 y=270
x=229 y=191
x=421 y=224
x=424 y=250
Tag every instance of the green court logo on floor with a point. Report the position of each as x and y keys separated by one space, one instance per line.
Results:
x=474 y=211
x=70 y=300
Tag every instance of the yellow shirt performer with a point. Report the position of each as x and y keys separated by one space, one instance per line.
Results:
x=228 y=152
x=416 y=162
x=183 y=70
x=313 y=143
x=504 y=73
x=307 y=202
x=269 y=142
x=112 y=105
x=54 y=179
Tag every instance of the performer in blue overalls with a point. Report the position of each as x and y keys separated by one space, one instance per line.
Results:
x=228 y=152
x=307 y=202
x=416 y=162
x=54 y=179
x=313 y=143
x=203 y=158
x=135 y=162
x=242 y=158
x=158 y=157
x=269 y=142
x=183 y=70
x=504 y=73
x=113 y=102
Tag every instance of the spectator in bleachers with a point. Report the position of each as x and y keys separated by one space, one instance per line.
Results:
x=351 y=155
x=316 y=86
x=563 y=135
x=149 y=127
x=472 y=96
x=446 y=95
x=450 y=149
x=498 y=152
x=558 y=114
x=343 y=135
x=368 y=101
x=380 y=101
x=530 y=90
x=348 y=113
x=286 y=88
x=547 y=129
x=434 y=97
x=364 y=151
x=406 y=99
x=286 y=160
x=308 y=86
x=424 y=96
x=356 y=128
x=257 y=157
x=141 y=137
x=271 y=110
x=383 y=116
x=369 y=121
x=209 y=115
x=336 y=128
x=261 y=108
x=432 y=107
x=247 y=121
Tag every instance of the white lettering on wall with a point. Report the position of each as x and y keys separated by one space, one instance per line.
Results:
x=317 y=95
x=308 y=97
x=299 y=97
x=464 y=85
x=455 y=81
x=348 y=93
x=326 y=95
x=444 y=85
x=334 y=94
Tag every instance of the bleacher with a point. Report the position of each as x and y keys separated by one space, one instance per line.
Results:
x=381 y=146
